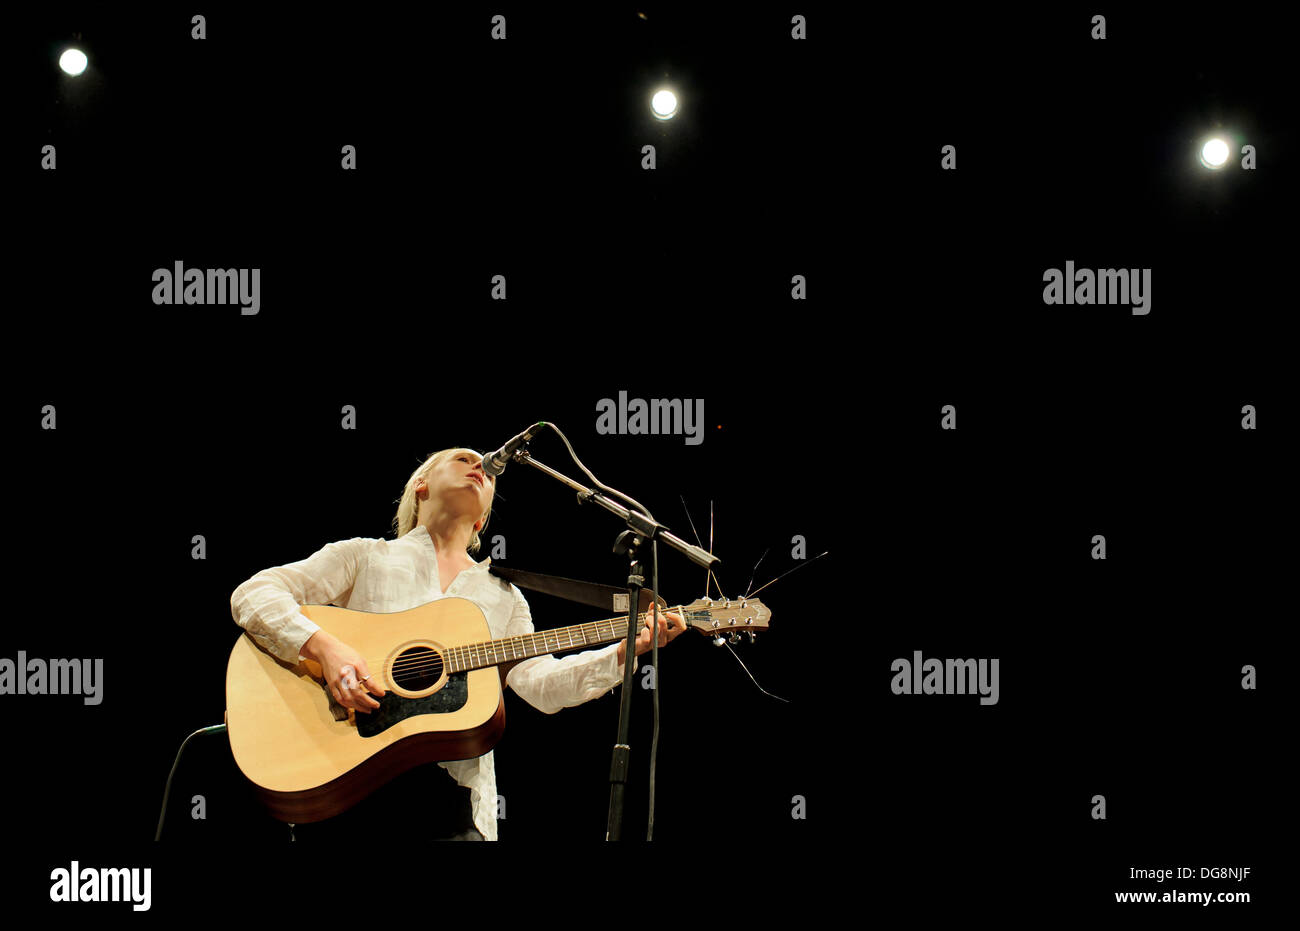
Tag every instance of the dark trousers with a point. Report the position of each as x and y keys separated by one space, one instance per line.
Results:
x=424 y=803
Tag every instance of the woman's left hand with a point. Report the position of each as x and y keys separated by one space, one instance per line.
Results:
x=670 y=625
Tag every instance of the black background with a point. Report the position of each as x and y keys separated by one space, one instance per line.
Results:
x=821 y=158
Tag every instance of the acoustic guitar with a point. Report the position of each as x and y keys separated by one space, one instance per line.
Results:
x=310 y=758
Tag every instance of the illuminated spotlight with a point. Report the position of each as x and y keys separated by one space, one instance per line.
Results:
x=73 y=61
x=1214 y=154
x=664 y=105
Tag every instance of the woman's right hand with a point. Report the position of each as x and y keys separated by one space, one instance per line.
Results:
x=344 y=668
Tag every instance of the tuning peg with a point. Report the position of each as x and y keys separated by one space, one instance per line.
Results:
x=719 y=640
x=752 y=636
x=735 y=636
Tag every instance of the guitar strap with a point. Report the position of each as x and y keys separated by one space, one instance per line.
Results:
x=587 y=593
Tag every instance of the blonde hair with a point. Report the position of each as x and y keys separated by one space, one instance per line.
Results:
x=408 y=508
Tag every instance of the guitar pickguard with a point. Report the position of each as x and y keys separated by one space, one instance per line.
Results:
x=393 y=707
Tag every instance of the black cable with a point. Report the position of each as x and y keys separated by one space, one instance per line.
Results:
x=654 y=614
x=597 y=482
x=214 y=729
x=654 y=661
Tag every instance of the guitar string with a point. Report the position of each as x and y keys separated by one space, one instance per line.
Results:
x=459 y=652
x=424 y=662
x=594 y=626
x=405 y=670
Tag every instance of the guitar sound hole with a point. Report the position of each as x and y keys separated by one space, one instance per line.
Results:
x=417 y=668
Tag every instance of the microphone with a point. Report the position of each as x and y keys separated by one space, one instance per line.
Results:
x=494 y=463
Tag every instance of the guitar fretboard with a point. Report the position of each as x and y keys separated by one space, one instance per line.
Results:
x=508 y=649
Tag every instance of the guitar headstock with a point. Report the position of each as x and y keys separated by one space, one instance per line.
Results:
x=723 y=618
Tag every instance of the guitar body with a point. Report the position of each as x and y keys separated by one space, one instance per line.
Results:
x=310 y=758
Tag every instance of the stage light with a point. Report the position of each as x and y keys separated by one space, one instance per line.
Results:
x=664 y=105
x=73 y=61
x=1214 y=154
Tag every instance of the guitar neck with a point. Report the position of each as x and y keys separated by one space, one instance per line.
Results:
x=508 y=649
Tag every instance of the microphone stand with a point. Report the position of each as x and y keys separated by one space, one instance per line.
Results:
x=641 y=529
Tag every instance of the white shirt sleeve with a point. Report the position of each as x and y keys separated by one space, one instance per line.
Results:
x=267 y=604
x=549 y=684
